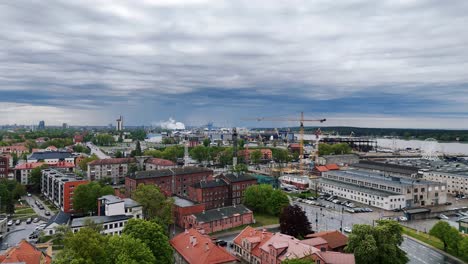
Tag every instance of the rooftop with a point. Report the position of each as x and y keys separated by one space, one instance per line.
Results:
x=451 y=167
x=334 y=238
x=221 y=213
x=396 y=168
x=210 y=184
x=238 y=177
x=293 y=248
x=168 y=172
x=254 y=236
x=50 y=155
x=25 y=253
x=130 y=203
x=112 y=161
x=182 y=202
x=160 y=162
x=61 y=218
x=197 y=248
x=79 y=222
x=380 y=193
x=337 y=257
x=63 y=176
x=111 y=199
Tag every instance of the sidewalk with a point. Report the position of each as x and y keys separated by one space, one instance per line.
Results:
x=434 y=248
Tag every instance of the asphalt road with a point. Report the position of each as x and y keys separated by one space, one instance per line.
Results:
x=420 y=254
x=31 y=201
x=96 y=150
x=17 y=233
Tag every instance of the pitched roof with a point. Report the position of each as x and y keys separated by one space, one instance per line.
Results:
x=220 y=213
x=209 y=184
x=334 y=238
x=50 y=155
x=25 y=253
x=61 y=218
x=112 y=161
x=293 y=248
x=337 y=257
x=321 y=168
x=168 y=172
x=257 y=237
x=332 y=167
x=316 y=241
x=79 y=222
x=160 y=162
x=204 y=251
x=32 y=165
x=238 y=177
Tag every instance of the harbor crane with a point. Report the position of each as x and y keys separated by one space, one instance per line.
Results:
x=301 y=121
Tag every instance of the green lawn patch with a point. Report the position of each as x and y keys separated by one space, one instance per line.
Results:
x=27 y=210
x=302 y=195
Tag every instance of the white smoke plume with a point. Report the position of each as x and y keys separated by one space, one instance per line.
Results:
x=171 y=124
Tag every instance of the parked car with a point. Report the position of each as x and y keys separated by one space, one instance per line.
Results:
x=402 y=219
x=221 y=243
x=448 y=203
x=351 y=205
x=349 y=210
x=368 y=209
x=336 y=201
x=41 y=226
x=47 y=213
x=29 y=220
x=29 y=195
x=18 y=222
x=348 y=229
x=36 y=220
x=10 y=223
x=442 y=216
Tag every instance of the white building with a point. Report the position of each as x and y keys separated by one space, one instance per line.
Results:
x=51 y=157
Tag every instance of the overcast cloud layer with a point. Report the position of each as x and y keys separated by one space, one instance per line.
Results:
x=367 y=63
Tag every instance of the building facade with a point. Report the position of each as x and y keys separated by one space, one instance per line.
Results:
x=23 y=171
x=17 y=150
x=219 y=219
x=158 y=164
x=4 y=166
x=171 y=181
x=59 y=187
x=51 y=157
x=116 y=169
x=237 y=184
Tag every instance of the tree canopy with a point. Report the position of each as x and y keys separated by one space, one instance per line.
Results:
x=379 y=244
x=155 y=204
x=294 y=222
x=256 y=156
x=86 y=195
x=334 y=149
x=447 y=234
x=263 y=198
x=153 y=236
x=84 y=162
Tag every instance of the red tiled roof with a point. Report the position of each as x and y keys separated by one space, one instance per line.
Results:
x=334 y=238
x=337 y=257
x=160 y=162
x=332 y=167
x=26 y=253
x=253 y=235
x=28 y=166
x=294 y=145
x=112 y=161
x=321 y=168
x=14 y=148
x=204 y=251
x=315 y=242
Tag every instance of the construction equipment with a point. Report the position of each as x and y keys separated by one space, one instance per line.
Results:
x=301 y=130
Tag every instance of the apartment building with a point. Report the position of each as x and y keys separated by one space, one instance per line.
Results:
x=4 y=166
x=237 y=184
x=171 y=181
x=51 y=157
x=18 y=150
x=23 y=171
x=158 y=164
x=116 y=169
x=59 y=186
x=381 y=190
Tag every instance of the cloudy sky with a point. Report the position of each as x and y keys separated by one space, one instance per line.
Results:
x=355 y=62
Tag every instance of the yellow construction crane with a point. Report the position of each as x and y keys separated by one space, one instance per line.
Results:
x=301 y=130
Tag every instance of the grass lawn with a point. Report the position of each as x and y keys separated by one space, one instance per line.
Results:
x=26 y=210
x=302 y=195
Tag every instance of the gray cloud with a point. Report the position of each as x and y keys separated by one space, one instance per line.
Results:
x=98 y=54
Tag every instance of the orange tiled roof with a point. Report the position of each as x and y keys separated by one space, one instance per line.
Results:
x=160 y=162
x=334 y=238
x=204 y=251
x=337 y=257
x=332 y=167
x=254 y=236
x=26 y=253
x=321 y=168
x=112 y=161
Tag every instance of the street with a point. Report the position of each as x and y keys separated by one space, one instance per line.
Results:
x=96 y=150
x=17 y=233
x=31 y=201
x=420 y=254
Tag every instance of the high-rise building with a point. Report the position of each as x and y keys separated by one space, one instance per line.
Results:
x=41 y=125
x=119 y=126
x=64 y=126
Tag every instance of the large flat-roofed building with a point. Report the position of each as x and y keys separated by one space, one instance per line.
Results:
x=116 y=169
x=171 y=181
x=381 y=190
x=51 y=157
x=58 y=187
x=388 y=169
x=453 y=174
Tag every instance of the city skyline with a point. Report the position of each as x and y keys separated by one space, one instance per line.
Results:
x=357 y=63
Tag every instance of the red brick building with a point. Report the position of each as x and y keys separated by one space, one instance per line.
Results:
x=219 y=219
x=183 y=207
x=336 y=241
x=267 y=154
x=194 y=247
x=4 y=166
x=183 y=179
x=212 y=194
x=237 y=184
x=158 y=164
x=25 y=253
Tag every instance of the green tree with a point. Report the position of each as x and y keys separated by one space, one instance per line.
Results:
x=138 y=134
x=225 y=157
x=154 y=153
x=241 y=143
x=173 y=153
x=447 y=234
x=19 y=191
x=84 y=247
x=277 y=201
x=281 y=155
x=86 y=195
x=119 y=154
x=256 y=156
x=83 y=164
x=264 y=199
x=240 y=168
x=464 y=247
x=153 y=235
x=206 y=142
x=155 y=204
x=138 y=149
x=35 y=178
x=294 y=222
x=125 y=249
x=200 y=153
x=379 y=245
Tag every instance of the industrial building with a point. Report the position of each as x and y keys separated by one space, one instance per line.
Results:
x=387 y=192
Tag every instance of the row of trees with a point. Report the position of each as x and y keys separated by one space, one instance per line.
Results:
x=334 y=149
x=264 y=199
x=169 y=153
x=10 y=191
x=453 y=241
x=141 y=241
x=86 y=195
